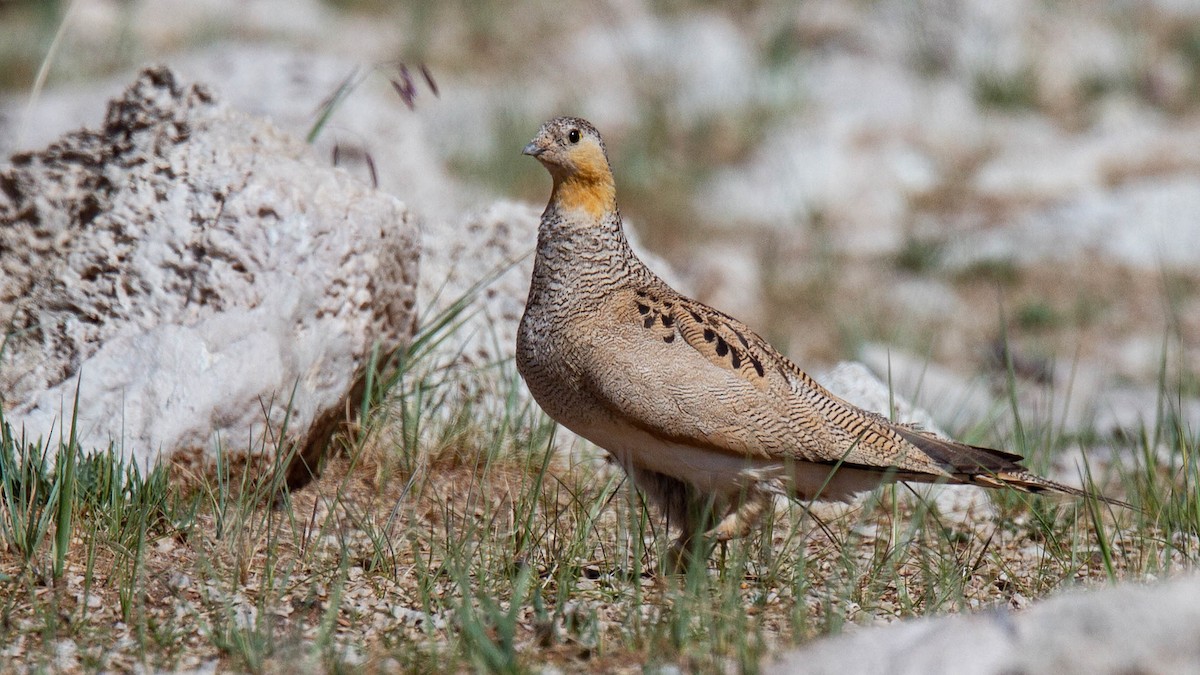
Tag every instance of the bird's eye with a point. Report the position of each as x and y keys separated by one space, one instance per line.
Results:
x=573 y=135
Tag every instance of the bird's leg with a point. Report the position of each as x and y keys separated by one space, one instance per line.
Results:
x=682 y=554
x=743 y=515
x=692 y=546
x=686 y=509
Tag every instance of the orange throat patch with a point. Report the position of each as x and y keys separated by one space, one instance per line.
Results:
x=595 y=199
x=589 y=188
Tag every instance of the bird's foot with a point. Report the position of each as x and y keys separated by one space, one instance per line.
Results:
x=742 y=518
x=684 y=553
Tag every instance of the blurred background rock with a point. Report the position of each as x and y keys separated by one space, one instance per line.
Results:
x=938 y=188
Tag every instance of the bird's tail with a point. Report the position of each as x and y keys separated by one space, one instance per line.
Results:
x=1020 y=479
x=991 y=468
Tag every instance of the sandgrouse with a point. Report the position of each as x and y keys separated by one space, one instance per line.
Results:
x=707 y=418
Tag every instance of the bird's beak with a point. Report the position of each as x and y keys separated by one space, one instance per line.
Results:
x=533 y=149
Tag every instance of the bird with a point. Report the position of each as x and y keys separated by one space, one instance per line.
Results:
x=709 y=421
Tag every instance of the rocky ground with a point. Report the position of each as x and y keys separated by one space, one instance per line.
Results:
x=938 y=189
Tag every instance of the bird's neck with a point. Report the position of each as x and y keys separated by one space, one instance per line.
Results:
x=582 y=250
x=589 y=189
x=572 y=234
x=582 y=219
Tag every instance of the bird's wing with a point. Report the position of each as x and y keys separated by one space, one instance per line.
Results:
x=739 y=395
x=667 y=372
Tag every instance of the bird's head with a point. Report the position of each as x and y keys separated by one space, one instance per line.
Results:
x=572 y=151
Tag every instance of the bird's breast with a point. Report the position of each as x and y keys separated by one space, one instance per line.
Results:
x=548 y=359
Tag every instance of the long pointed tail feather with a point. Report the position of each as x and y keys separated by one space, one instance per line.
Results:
x=1025 y=481
x=992 y=468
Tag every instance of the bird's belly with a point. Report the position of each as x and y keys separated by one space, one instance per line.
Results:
x=726 y=474
x=710 y=471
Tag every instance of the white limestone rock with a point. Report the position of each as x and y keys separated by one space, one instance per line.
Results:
x=197 y=274
x=487 y=258
x=1127 y=629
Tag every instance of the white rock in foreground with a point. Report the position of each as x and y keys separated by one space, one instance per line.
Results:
x=198 y=274
x=1128 y=629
